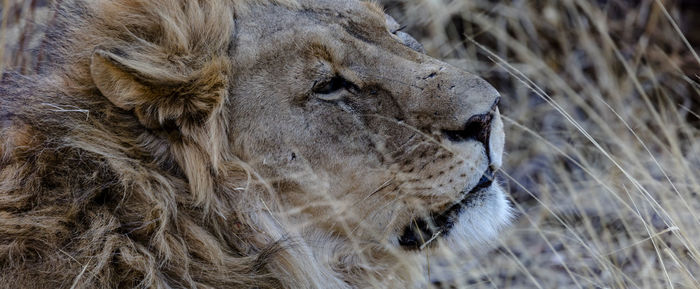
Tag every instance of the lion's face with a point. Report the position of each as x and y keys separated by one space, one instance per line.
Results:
x=359 y=132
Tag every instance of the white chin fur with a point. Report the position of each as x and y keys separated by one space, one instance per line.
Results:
x=480 y=221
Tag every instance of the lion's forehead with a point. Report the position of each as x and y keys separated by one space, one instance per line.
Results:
x=354 y=16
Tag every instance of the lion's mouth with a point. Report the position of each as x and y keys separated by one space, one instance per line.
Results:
x=422 y=231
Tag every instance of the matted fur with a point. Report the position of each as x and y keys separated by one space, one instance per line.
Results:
x=65 y=154
x=117 y=168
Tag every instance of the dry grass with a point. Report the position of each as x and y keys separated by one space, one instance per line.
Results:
x=602 y=106
x=21 y=30
x=603 y=139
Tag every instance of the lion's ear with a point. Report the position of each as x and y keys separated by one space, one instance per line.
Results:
x=114 y=82
x=171 y=92
x=161 y=90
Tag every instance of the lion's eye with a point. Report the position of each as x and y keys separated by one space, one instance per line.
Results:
x=329 y=89
x=330 y=86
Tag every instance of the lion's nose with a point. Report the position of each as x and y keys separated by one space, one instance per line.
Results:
x=477 y=127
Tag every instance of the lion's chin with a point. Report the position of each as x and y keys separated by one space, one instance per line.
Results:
x=472 y=222
x=480 y=220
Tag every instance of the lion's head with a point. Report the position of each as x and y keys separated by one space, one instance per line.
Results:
x=315 y=126
x=360 y=130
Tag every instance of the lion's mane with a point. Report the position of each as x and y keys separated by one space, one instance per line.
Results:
x=144 y=193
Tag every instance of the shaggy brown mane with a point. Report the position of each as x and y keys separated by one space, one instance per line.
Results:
x=86 y=187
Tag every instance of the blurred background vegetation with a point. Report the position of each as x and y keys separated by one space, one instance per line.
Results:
x=602 y=105
x=601 y=100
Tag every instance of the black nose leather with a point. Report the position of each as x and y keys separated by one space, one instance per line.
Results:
x=477 y=127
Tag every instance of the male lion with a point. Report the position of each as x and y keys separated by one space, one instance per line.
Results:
x=240 y=144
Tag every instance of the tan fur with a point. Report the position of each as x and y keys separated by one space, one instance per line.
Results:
x=172 y=144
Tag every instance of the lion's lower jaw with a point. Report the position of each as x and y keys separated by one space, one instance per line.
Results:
x=480 y=222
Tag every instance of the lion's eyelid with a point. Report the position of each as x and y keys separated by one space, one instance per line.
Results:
x=333 y=84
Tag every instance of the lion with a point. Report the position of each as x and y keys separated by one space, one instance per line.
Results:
x=241 y=144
